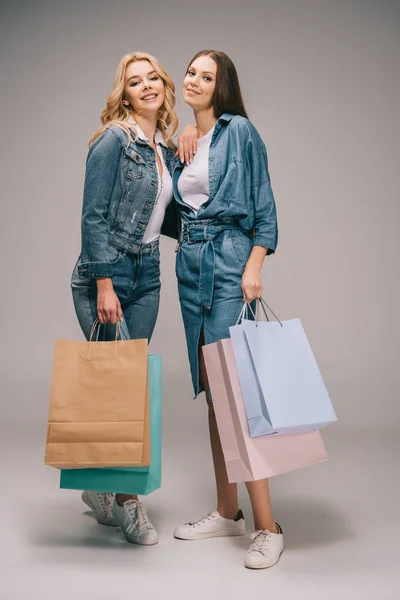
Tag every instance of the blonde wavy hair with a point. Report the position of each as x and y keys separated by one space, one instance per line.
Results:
x=117 y=114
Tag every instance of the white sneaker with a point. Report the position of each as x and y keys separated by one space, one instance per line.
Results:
x=101 y=504
x=134 y=522
x=212 y=525
x=265 y=549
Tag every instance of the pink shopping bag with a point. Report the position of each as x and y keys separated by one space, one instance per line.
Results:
x=247 y=458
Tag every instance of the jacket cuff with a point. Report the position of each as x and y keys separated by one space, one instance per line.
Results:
x=265 y=242
x=95 y=269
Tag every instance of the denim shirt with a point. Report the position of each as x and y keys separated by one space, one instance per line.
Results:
x=239 y=182
x=120 y=190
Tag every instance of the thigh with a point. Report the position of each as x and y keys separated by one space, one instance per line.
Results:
x=140 y=309
x=84 y=294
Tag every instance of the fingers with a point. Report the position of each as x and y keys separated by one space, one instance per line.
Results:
x=101 y=316
x=187 y=148
x=119 y=312
x=186 y=152
x=180 y=150
x=109 y=314
x=252 y=292
x=190 y=150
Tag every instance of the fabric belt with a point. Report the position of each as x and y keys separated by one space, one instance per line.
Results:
x=205 y=232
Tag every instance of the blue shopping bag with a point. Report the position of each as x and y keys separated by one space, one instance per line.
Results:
x=128 y=480
x=282 y=386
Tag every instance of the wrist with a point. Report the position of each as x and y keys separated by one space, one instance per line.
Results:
x=252 y=267
x=104 y=283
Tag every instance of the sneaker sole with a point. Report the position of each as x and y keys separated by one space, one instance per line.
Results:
x=265 y=566
x=139 y=543
x=205 y=536
x=135 y=541
x=107 y=523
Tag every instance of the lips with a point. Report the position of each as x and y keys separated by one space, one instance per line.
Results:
x=149 y=97
x=192 y=91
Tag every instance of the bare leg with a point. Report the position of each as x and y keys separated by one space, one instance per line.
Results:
x=121 y=498
x=261 y=504
x=226 y=492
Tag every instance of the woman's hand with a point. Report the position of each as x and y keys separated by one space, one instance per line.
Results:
x=108 y=305
x=187 y=144
x=251 y=284
x=251 y=280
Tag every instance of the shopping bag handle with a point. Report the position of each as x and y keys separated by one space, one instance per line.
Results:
x=97 y=325
x=244 y=313
x=259 y=302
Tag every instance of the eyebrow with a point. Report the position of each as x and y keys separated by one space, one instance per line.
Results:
x=136 y=76
x=209 y=72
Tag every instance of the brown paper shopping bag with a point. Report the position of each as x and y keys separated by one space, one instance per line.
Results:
x=99 y=405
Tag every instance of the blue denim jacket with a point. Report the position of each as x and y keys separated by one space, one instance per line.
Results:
x=120 y=190
x=239 y=181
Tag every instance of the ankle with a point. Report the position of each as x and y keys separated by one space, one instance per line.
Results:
x=121 y=498
x=272 y=527
x=228 y=512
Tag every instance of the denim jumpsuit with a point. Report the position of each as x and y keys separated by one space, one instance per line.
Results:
x=215 y=243
x=121 y=186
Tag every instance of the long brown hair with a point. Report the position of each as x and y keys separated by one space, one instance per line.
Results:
x=227 y=96
x=117 y=114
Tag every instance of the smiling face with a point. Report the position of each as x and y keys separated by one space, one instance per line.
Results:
x=199 y=83
x=144 y=88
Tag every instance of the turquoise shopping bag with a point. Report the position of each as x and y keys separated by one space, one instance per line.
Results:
x=133 y=480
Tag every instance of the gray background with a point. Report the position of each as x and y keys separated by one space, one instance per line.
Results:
x=320 y=82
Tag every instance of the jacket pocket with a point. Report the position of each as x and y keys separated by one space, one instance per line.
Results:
x=241 y=246
x=135 y=164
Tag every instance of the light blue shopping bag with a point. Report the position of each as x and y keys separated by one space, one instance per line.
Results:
x=128 y=480
x=282 y=386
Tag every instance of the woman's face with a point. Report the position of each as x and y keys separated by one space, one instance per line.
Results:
x=144 y=88
x=199 y=83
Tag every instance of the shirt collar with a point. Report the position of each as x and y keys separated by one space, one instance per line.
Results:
x=158 y=136
x=226 y=117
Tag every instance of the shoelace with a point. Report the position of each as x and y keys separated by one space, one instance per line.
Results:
x=208 y=517
x=106 y=501
x=260 y=542
x=137 y=507
x=146 y=521
x=109 y=501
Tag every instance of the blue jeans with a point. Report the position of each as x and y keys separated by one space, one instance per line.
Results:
x=136 y=281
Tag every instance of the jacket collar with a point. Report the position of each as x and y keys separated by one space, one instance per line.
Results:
x=226 y=117
x=158 y=136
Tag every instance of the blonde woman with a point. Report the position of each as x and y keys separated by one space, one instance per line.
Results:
x=126 y=205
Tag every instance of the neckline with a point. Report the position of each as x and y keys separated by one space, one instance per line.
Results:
x=158 y=136
x=207 y=136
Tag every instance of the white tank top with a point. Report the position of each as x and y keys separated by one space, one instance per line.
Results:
x=164 y=193
x=193 y=183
